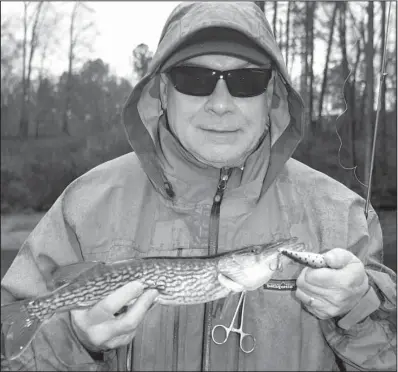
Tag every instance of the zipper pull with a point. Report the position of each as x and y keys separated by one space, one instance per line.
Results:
x=222 y=184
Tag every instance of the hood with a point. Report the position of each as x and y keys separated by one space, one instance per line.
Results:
x=142 y=112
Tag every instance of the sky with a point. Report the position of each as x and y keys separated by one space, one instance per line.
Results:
x=121 y=26
x=134 y=23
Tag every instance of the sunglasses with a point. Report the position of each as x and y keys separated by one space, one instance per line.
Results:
x=201 y=81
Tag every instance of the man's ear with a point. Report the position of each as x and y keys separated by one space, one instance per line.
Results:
x=163 y=86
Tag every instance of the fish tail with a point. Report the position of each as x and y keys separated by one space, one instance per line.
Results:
x=18 y=328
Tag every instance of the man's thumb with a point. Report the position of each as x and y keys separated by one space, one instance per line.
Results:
x=338 y=258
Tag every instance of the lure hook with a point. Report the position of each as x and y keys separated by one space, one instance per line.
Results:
x=279 y=266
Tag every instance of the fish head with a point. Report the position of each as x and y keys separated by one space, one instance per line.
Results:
x=253 y=266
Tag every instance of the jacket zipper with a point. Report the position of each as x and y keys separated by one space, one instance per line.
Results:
x=214 y=226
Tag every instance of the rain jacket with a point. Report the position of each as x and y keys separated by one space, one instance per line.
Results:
x=158 y=200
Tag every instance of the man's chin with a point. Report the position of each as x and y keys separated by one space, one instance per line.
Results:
x=221 y=161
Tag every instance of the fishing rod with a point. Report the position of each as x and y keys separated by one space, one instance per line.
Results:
x=382 y=78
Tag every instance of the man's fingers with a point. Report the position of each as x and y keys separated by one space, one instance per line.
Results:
x=115 y=301
x=133 y=317
x=119 y=341
x=338 y=258
x=315 y=305
x=318 y=280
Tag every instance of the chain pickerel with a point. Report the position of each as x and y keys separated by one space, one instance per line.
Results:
x=179 y=280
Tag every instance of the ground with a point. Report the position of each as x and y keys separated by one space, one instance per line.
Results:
x=16 y=227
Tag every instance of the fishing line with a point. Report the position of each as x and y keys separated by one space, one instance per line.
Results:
x=354 y=168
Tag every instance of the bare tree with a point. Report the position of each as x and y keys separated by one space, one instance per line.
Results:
x=383 y=136
x=78 y=26
x=10 y=52
x=306 y=67
x=274 y=19
x=326 y=68
x=310 y=52
x=142 y=56
x=29 y=48
x=303 y=55
x=49 y=37
x=34 y=41
x=23 y=124
x=289 y=6
x=396 y=67
x=296 y=42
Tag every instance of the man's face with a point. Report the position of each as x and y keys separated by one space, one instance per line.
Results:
x=219 y=129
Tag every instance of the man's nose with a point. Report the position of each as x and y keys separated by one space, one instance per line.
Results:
x=220 y=101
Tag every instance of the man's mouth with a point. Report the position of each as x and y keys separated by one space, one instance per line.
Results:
x=223 y=131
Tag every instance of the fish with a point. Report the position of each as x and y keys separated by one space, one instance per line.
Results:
x=179 y=281
x=311 y=259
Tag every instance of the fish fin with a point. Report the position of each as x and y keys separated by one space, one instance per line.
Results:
x=65 y=274
x=56 y=276
x=18 y=327
x=11 y=312
x=46 y=266
x=229 y=283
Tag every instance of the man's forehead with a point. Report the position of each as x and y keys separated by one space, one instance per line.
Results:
x=219 y=62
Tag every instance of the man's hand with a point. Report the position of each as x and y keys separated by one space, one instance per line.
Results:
x=334 y=291
x=99 y=329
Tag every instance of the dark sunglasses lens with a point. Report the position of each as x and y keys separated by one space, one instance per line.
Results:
x=248 y=82
x=194 y=81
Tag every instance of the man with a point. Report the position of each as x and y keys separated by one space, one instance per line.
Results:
x=213 y=126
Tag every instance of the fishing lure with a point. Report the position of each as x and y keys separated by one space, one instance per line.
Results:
x=313 y=260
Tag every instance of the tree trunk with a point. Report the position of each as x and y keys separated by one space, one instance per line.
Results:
x=280 y=35
x=396 y=69
x=368 y=119
x=295 y=41
x=65 y=118
x=311 y=63
x=33 y=45
x=326 y=68
x=23 y=123
x=305 y=66
x=287 y=33
x=275 y=18
x=382 y=119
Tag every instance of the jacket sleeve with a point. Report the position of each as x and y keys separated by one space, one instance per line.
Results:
x=55 y=346
x=366 y=337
